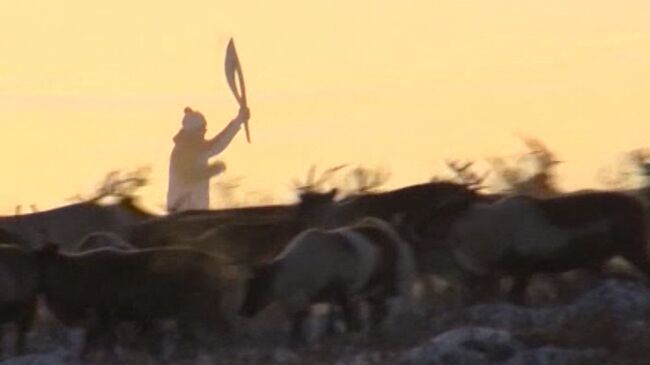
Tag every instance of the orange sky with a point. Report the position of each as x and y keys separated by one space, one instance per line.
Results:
x=86 y=88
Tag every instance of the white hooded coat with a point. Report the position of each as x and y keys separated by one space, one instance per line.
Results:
x=189 y=170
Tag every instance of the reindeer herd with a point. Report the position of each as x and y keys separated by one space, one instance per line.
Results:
x=97 y=266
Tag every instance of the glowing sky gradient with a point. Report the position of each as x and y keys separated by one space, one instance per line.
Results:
x=89 y=87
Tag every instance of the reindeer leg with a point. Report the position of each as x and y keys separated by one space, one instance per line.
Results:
x=187 y=347
x=296 y=335
x=152 y=338
x=378 y=312
x=333 y=315
x=24 y=323
x=2 y=331
x=93 y=338
x=518 y=292
x=351 y=314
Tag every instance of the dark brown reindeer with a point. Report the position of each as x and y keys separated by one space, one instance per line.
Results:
x=101 y=288
x=188 y=225
x=521 y=236
x=402 y=207
x=246 y=234
x=70 y=223
x=541 y=184
x=246 y=242
x=249 y=238
x=254 y=241
x=18 y=291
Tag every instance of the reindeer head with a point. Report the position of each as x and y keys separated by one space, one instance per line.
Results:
x=641 y=158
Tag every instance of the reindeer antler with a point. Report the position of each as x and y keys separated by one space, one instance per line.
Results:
x=538 y=184
x=365 y=180
x=465 y=174
x=314 y=184
x=641 y=158
x=121 y=186
x=544 y=156
x=511 y=176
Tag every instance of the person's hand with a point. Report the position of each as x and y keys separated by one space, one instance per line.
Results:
x=217 y=167
x=244 y=113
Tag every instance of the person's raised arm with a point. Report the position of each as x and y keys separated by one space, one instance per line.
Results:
x=219 y=142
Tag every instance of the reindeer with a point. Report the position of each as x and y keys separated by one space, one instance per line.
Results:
x=367 y=260
x=18 y=291
x=68 y=224
x=521 y=236
x=102 y=288
x=189 y=225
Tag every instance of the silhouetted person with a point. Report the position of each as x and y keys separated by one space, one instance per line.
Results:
x=189 y=168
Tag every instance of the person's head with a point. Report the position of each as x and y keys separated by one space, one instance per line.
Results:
x=194 y=122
